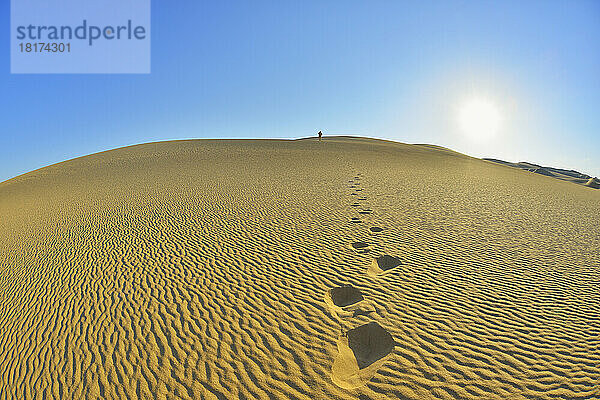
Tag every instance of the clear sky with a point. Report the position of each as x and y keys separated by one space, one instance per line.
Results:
x=284 y=69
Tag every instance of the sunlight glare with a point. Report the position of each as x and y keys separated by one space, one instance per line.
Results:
x=479 y=118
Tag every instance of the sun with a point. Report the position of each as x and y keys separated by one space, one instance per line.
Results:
x=479 y=118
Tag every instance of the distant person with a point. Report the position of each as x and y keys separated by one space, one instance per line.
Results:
x=320 y=135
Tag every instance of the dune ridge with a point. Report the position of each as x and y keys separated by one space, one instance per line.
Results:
x=593 y=183
x=558 y=173
x=203 y=268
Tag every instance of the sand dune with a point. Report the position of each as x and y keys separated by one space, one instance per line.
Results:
x=593 y=183
x=261 y=269
x=558 y=173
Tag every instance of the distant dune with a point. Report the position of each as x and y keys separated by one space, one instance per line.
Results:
x=351 y=268
x=562 y=174
x=593 y=183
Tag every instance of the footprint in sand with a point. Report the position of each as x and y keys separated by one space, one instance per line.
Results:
x=383 y=264
x=361 y=351
x=347 y=302
x=361 y=247
x=344 y=296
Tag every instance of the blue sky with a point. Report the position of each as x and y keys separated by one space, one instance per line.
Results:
x=286 y=69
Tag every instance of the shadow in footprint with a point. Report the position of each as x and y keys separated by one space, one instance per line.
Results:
x=375 y=229
x=361 y=247
x=383 y=264
x=360 y=198
x=355 y=220
x=366 y=212
x=387 y=262
x=344 y=296
x=355 y=204
x=369 y=343
x=360 y=349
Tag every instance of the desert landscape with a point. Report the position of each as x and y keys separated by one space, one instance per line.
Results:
x=351 y=268
x=558 y=173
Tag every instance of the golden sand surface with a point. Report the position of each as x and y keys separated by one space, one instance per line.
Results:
x=277 y=269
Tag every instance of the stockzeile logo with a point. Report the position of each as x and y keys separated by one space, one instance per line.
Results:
x=74 y=36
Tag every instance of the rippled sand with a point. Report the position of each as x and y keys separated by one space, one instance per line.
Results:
x=261 y=269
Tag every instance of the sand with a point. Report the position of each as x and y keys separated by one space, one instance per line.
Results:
x=205 y=269
x=558 y=173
